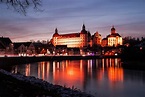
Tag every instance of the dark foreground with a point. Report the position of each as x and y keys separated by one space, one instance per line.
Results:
x=16 y=85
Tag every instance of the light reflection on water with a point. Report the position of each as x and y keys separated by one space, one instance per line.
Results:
x=100 y=77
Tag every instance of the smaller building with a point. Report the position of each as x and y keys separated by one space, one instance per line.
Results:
x=104 y=42
x=73 y=51
x=97 y=38
x=24 y=48
x=114 y=39
x=5 y=45
x=61 y=50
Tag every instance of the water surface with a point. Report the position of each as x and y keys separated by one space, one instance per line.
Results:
x=99 y=77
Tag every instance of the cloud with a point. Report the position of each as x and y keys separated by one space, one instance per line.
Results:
x=69 y=15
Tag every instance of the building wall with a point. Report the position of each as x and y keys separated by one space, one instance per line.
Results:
x=84 y=40
x=114 y=41
x=104 y=42
x=70 y=42
x=97 y=39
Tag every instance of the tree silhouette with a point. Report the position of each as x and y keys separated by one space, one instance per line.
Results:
x=22 y=5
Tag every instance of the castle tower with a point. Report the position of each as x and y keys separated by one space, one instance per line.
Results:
x=84 y=37
x=83 y=27
x=55 y=36
x=56 y=31
x=113 y=30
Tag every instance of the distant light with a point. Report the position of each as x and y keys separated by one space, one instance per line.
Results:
x=83 y=55
x=116 y=54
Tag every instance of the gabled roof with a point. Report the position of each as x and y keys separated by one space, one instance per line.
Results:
x=18 y=44
x=37 y=44
x=5 y=40
x=2 y=45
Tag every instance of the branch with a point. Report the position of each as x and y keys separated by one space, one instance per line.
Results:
x=22 y=5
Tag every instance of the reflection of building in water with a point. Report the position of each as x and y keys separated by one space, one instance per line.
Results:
x=67 y=73
x=115 y=74
x=114 y=70
x=44 y=69
x=109 y=62
x=75 y=72
x=27 y=70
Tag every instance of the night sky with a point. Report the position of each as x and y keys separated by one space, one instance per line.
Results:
x=128 y=17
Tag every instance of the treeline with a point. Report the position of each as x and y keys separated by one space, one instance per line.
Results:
x=134 y=48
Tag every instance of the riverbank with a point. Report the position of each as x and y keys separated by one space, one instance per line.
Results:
x=16 y=85
x=22 y=60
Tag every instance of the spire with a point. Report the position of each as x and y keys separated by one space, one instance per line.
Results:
x=83 y=28
x=56 y=31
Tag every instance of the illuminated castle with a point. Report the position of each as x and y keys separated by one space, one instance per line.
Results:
x=113 y=39
x=73 y=40
x=84 y=39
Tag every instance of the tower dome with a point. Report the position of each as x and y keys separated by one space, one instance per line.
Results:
x=113 y=30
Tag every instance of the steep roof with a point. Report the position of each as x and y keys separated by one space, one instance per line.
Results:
x=18 y=44
x=5 y=40
x=2 y=46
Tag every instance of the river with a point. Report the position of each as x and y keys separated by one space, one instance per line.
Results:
x=99 y=77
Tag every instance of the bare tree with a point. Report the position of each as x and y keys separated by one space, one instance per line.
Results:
x=22 y=5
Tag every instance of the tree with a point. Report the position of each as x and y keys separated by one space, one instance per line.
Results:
x=22 y=5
